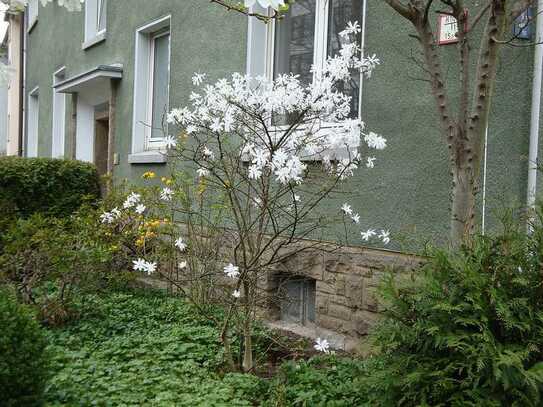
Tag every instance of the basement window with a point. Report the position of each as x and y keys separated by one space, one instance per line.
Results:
x=298 y=300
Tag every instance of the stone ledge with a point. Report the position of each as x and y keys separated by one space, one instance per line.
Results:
x=148 y=157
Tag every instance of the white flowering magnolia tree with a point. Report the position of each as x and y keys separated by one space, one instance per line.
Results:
x=255 y=167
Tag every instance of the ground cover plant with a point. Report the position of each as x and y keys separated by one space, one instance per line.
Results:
x=148 y=348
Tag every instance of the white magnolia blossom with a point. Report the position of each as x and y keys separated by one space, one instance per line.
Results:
x=131 y=200
x=142 y=265
x=111 y=216
x=202 y=172
x=182 y=265
x=140 y=208
x=208 y=153
x=236 y=294
x=355 y=218
x=170 y=142
x=275 y=4
x=166 y=194
x=322 y=345
x=231 y=271
x=375 y=141
x=243 y=105
x=346 y=209
x=198 y=78
x=180 y=244
x=385 y=236
x=368 y=234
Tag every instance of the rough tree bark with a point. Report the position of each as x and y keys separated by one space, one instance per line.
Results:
x=464 y=124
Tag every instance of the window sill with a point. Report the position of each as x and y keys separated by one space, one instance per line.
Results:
x=148 y=157
x=32 y=24
x=93 y=41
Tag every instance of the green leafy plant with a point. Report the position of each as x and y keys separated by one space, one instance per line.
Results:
x=329 y=381
x=467 y=330
x=24 y=362
x=48 y=186
x=143 y=348
x=50 y=260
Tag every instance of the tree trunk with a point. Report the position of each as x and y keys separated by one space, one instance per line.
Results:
x=463 y=205
x=247 y=351
x=247 y=331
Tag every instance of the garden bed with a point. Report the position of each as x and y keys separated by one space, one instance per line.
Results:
x=146 y=348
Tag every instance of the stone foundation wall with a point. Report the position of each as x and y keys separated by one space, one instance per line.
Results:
x=346 y=285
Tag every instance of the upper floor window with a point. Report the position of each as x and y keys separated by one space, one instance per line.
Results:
x=95 y=21
x=306 y=36
x=151 y=89
x=159 y=77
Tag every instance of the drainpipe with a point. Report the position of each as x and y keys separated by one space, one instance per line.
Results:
x=536 y=105
x=22 y=69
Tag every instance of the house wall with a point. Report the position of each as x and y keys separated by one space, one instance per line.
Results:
x=407 y=192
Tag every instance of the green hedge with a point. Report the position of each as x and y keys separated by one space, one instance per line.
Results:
x=52 y=187
x=24 y=360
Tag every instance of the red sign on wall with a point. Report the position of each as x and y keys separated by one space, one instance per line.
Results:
x=447 y=29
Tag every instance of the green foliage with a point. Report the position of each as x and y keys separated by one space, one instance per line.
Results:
x=49 y=260
x=321 y=381
x=468 y=329
x=24 y=362
x=143 y=349
x=48 y=186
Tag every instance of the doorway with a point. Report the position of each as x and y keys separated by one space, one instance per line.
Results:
x=101 y=133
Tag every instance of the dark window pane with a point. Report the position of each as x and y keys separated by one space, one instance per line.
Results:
x=339 y=14
x=292 y=303
x=161 y=75
x=295 y=41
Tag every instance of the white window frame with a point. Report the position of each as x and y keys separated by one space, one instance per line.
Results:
x=142 y=150
x=261 y=50
x=33 y=10
x=93 y=35
x=58 y=139
x=157 y=142
x=32 y=132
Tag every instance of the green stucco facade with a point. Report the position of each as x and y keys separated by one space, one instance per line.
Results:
x=407 y=192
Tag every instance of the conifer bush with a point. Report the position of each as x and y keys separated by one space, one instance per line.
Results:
x=24 y=362
x=467 y=329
